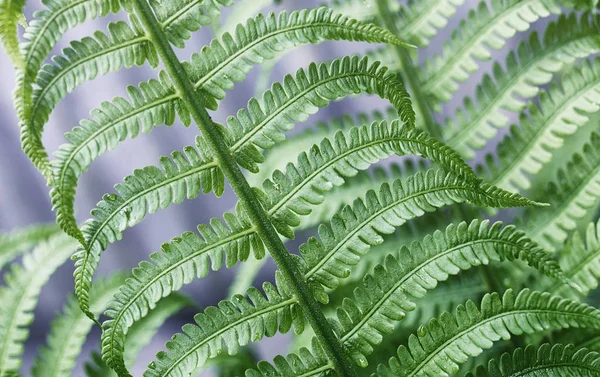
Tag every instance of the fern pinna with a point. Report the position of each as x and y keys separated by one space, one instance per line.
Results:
x=378 y=248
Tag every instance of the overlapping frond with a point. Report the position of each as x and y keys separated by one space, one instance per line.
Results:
x=545 y=360
x=530 y=66
x=15 y=243
x=563 y=109
x=573 y=193
x=227 y=327
x=483 y=30
x=11 y=13
x=356 y=228
x=69 y=330
x=440 y=347
x=390 y=291
x=19 y=296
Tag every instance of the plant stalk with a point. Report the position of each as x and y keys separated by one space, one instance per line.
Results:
x=259 y=218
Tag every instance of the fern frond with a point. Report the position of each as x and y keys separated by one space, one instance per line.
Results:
x=19 y=296
x=188 y=256
x=572 y=195
x=390 y=291
x=356 y=228
x=547 y=360
x=156 y=102
x=224 y=329
x=15 y=243
x=69 y=330
x=440 y=347
x=11 y=13
x=150 y=189
x=529 y=67
x=563 y=109
x=483 y=30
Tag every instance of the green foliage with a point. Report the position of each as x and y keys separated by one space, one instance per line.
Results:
x=547 y=360
x=383 y=248
x=20 y=293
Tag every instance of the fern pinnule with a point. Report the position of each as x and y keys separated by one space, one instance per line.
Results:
x=390 y=291
x=545 y=360
x=70 y=328
x=563 y=109
x=483 y=30
x=20 y=293
x=445 y=343
x=573 y=194
x=529 y=67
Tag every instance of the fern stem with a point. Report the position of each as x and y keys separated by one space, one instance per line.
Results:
x=408 y=73
x=194 y=101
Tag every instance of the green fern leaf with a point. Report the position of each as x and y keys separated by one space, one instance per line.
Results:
x=42 y=34
x=356 y=228
x=561 y=112
x=420 y=20
x=482 y=30
x=304 y=363
x=124 y=46
x=19 y=296
x=224 y=329
x=572 y=195
x=547 y=360
x=69 y=330
x=190 y=255
x=445 y=343
x=214 y=71
x=277 y=157
x=15 y=243
x=580 y=261
x=11 y=12
x=527 y=68
x=391 y=289
x=181 y=17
